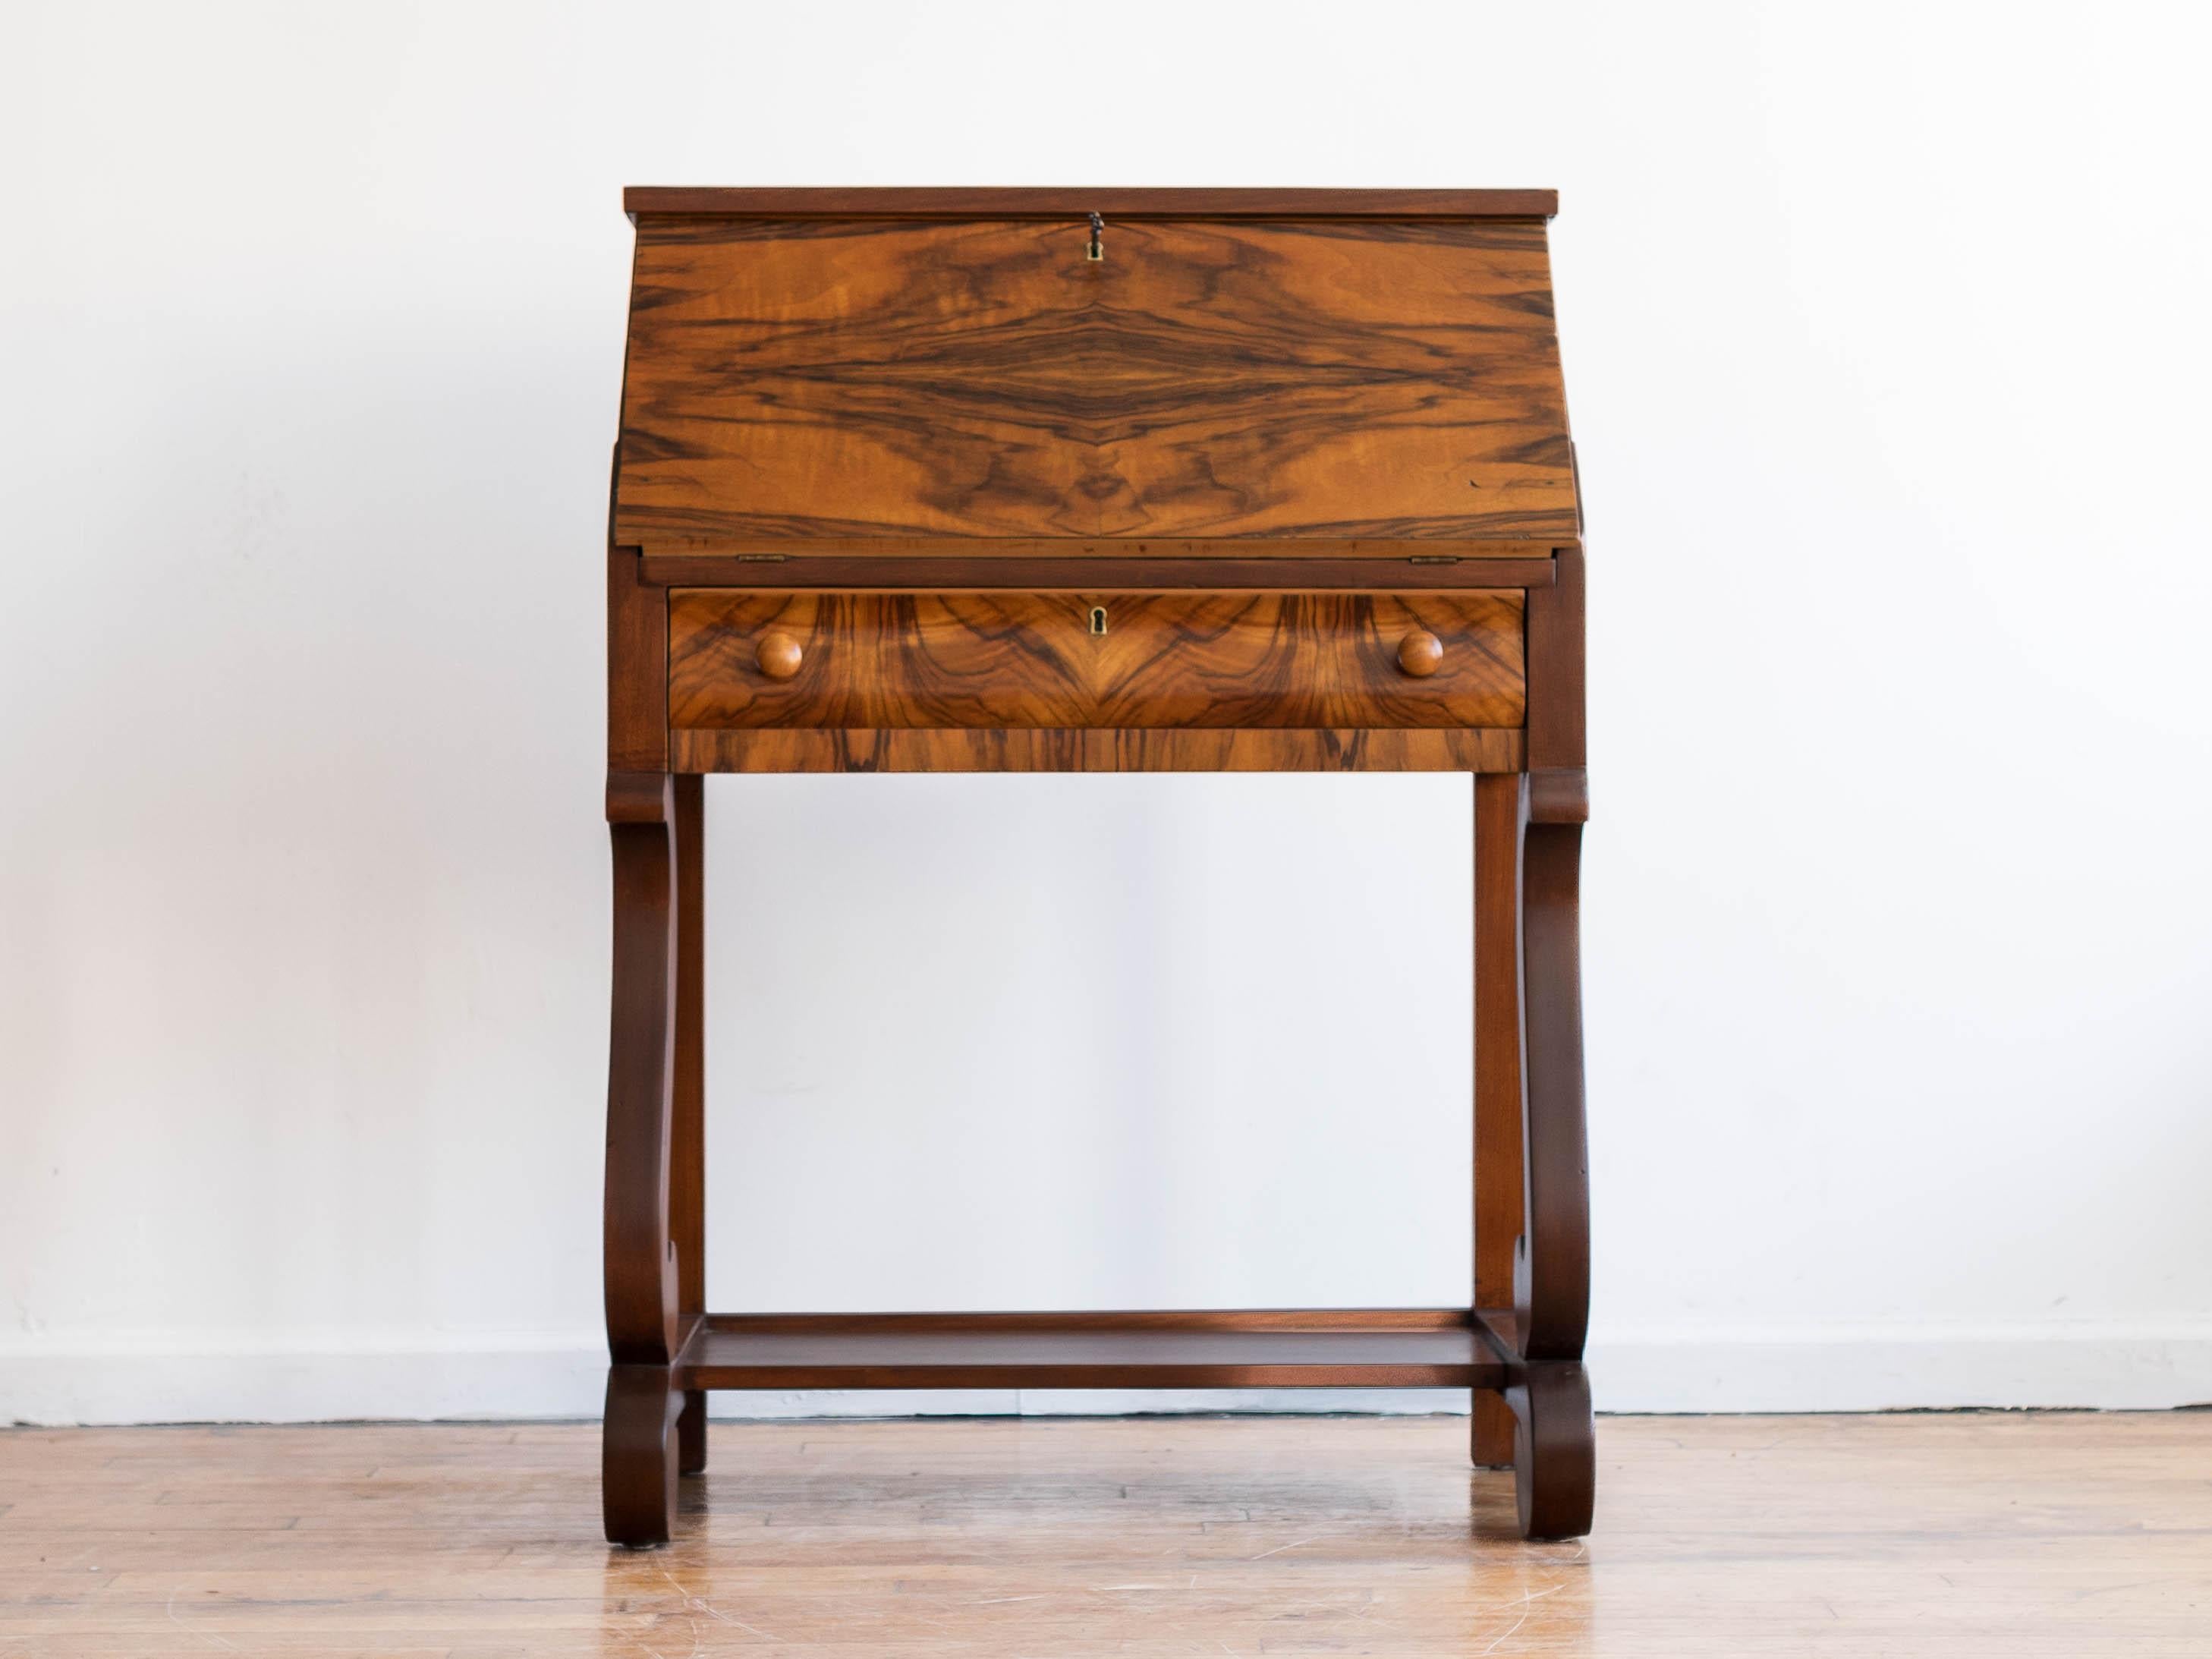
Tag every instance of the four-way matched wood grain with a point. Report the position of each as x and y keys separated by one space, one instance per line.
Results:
x=1015 y=660
x=1240 y=378
x=2003 y=1536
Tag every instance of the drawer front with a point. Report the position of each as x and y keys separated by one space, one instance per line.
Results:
x=741 y=659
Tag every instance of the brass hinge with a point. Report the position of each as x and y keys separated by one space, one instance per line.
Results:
x=761 y=558
x=1433 y=558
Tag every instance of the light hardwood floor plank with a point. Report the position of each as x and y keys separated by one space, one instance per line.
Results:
x=1999 y=1534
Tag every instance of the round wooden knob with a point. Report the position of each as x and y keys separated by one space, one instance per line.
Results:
x=778 y=655
x=1420 y=653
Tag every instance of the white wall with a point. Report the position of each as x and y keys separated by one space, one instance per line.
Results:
x=1885 y=332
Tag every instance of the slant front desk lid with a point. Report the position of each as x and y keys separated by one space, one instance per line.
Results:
x=1330 y=369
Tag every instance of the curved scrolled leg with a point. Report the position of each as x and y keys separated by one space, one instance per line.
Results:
x=638 y=1455
x=1551 y=1269
x=1554 y=1440
x=1554 y=1451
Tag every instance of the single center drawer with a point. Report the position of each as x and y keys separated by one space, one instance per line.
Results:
x=738 y=658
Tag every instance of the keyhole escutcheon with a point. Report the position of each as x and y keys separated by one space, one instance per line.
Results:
x=1098 y=619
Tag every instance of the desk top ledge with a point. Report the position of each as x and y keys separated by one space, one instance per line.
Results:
x=1025 y=202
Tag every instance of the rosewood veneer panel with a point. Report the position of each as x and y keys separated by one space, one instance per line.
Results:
x=1239 y=378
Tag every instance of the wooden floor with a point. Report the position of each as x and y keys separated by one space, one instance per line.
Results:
x=2050 y=1534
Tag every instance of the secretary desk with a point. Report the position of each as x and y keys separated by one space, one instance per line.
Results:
x=1099 y=481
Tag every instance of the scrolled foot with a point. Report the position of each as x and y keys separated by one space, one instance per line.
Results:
x=638 y=1455
x=1554 y=1449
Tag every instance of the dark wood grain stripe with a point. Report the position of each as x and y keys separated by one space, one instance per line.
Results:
x=912 y=750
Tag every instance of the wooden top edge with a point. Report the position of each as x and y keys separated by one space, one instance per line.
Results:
x=798 y=549
x=1032 y=203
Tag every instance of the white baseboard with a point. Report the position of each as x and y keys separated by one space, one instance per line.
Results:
x=148 y=1378
x=1872 y=1368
